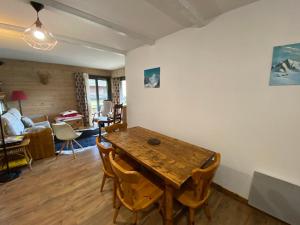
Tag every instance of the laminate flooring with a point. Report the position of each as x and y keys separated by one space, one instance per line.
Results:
x=64 y=191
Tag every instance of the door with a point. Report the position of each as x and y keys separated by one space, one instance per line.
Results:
x=100 y=90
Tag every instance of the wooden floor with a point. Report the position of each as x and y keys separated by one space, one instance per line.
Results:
x=66 y=192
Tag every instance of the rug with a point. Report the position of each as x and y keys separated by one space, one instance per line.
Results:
x=86 y=142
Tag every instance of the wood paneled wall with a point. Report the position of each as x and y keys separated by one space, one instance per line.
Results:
x=118 y=72
x=58 y=95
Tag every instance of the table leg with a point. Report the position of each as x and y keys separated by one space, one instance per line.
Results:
x=28 y=158
x=99 y=127
x=28 y=153
x=168 y=205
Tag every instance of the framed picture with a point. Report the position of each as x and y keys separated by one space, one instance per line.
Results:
x=285 y=65
x=152 y=78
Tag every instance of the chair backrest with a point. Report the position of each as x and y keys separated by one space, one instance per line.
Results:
x=107 y=107
x=202 y=178
x=127 y=182
x=63 y=131
x=116 y=127
x=118 y=112
x=104 y=149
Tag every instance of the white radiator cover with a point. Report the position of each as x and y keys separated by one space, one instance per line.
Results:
x=276 y=197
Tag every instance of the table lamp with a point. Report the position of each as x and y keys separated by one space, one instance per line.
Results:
x=19 y=96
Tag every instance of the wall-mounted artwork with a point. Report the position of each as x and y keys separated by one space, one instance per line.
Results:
x=152 y=78
x=286 y=65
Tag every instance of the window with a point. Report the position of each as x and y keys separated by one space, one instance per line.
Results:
x=123 y=91
x=100 y=90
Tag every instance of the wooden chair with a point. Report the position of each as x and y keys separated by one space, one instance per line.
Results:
x=104 y=149
x=118 y=112
x=116 y=127
x=134 y=190
x=197 y=194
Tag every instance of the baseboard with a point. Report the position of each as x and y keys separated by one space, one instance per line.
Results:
x=240 y=199
x=230 y=193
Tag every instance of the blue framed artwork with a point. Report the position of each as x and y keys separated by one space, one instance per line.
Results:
x=286 y=65
x=152 y=78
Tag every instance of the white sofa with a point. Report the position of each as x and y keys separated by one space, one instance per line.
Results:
x=40 y=134
x=13 y=124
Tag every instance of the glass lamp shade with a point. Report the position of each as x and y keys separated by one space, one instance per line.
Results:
x=38 y=37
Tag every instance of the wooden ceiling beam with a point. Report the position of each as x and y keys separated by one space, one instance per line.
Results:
x=182 y=12
x=173 y=10
x=186 y=4
x=69 y=40
x=87 y=16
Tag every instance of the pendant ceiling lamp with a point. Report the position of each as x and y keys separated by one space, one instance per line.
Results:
x=37 y=36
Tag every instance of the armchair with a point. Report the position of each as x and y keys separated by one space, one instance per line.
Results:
x=41 y=137
x=39 y=118
x=41 y=143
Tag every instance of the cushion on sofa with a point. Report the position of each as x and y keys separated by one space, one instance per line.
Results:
x=13 y=126
x=27 y=121
x=15 y=113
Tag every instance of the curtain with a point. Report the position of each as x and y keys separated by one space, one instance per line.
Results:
x=82 y=96
x=87 y=87
x=116 y=83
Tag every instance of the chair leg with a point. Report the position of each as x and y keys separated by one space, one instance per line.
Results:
x=114 y=193
x=135 y=218
x=68 y=144
x=103 y=182
x=116 y=212
x=161 y=207
x=207 y=211
x=74 y=156
x=78 y=143
x=191 y=216
x=62 y=147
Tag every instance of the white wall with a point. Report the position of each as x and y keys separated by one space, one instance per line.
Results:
x=215 y=92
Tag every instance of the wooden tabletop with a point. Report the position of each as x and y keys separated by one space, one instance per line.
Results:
x=173 y=160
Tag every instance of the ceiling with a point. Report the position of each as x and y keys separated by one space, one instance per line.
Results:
x=98 y=33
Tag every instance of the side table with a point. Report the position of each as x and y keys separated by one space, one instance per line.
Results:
x=20 y=150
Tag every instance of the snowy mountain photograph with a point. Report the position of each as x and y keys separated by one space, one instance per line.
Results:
x=286 y=65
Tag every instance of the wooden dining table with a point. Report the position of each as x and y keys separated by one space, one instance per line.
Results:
x=172 y=160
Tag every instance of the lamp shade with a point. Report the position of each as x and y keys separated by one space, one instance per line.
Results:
x=18 y=95
x=38 y=37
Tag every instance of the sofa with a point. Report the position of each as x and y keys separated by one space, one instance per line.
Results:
x=40 y=133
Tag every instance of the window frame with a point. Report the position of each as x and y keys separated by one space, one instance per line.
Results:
x=108 y=80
